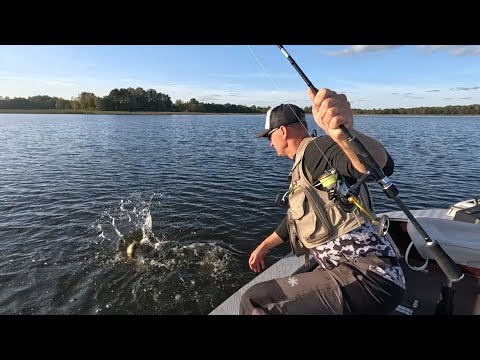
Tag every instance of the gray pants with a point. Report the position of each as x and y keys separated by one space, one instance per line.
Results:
x=349 y=288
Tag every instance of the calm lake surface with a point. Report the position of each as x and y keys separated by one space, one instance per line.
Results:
x=198 y=192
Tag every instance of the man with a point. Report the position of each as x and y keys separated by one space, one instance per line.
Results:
x=358 y=272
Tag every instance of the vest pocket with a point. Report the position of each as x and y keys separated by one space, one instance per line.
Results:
x=299 y=224
x=296 y=202
x=310 y=220
x=336 y=215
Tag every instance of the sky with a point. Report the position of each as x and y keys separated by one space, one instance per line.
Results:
x=372 y=76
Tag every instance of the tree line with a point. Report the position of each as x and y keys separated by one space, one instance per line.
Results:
x=124 y=99
x=424 y=110
x=140 y=100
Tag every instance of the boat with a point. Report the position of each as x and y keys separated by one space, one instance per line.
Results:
x=429 y=290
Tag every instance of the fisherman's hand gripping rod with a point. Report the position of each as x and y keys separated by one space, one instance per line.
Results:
x=449 y=267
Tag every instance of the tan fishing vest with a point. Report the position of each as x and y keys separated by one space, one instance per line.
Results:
x=312 y=218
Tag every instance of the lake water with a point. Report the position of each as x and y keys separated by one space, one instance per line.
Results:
x=197 y=190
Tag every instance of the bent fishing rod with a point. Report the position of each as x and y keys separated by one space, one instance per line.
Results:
x=449 y=267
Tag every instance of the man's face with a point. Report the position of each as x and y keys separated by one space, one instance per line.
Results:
x=276 y=140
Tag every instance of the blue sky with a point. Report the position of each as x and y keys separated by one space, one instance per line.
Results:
x=372 y=76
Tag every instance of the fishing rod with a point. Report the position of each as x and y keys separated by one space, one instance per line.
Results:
x=449 y=267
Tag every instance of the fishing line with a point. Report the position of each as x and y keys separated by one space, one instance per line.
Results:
x=301 y=122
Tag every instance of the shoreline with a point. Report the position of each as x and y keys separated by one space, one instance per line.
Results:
x=94 y=112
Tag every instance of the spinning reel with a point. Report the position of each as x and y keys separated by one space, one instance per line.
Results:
x=346 y=197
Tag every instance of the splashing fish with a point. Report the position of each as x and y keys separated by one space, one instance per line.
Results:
x=134 y=239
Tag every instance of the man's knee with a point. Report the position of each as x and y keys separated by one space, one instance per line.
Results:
x=260 y=297
x=248 y=300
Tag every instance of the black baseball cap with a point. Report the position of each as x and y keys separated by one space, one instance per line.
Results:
x=283 y=114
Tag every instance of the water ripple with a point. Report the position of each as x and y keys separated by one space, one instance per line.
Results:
x=197 y=192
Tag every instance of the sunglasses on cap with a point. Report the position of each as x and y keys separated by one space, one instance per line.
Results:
x=269 y=135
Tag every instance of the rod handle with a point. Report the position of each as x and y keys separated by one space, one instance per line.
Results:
x=446 y=263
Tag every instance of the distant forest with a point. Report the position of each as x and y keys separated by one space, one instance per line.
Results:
x=140 y=100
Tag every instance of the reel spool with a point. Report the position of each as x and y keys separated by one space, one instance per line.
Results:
x=336 y=189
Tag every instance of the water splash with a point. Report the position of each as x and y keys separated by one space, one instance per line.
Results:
x=170 y=248
x=127 y=222
x=177 y=266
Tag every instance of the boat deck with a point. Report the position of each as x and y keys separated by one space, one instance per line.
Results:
x=292 y=264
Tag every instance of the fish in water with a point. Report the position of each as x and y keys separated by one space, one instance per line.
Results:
x=131 y=249
x=131 y=242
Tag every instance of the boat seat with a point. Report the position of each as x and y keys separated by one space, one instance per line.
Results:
x=460 y=240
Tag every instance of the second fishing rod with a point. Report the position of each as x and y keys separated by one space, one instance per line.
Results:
x=449 y=267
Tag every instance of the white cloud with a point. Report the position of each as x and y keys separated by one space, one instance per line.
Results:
x=466 y=88
x=361 y=49
x=455 y=50
x=466 y=50
x=435 y=47
x=42 y=80
x=7 y=77
x=225 y=95
x=381 y=96
x=61 y=83
x=21 y=80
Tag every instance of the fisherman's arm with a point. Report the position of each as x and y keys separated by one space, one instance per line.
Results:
x=282 y=230
x=256 y=261
x=373 y=147
x=315 y=160
x=343 y=163
x=330 y=110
